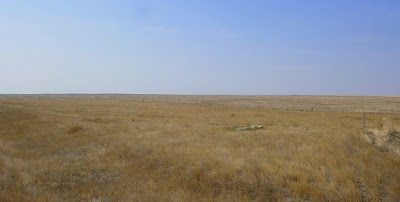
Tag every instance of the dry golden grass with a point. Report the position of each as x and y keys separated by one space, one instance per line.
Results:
x=105 y=148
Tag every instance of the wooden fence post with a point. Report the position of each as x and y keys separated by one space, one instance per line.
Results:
x=364 y=119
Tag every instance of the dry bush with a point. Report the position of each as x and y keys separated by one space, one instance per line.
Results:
x=386 y=139
x=123 y=150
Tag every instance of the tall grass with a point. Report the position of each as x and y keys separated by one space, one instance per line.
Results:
x=118 y=149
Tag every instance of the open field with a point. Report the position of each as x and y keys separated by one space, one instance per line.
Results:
x=185 y=148
x=293 y=102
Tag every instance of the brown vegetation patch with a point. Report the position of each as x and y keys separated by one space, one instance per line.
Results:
x=99 y=120
x=394 y=137
x=74 y=129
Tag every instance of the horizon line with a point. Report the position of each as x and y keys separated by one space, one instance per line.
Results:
x=182 y=94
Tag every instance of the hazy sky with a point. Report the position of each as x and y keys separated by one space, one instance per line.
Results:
x=200 y=47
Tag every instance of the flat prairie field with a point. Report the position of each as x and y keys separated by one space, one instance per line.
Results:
x=189 y=148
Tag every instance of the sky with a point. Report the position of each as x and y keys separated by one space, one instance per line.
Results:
x=258 y=47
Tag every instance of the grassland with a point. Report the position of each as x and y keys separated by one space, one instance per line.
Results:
x=184 y=148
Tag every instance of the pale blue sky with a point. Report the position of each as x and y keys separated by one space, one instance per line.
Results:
x=200 y=47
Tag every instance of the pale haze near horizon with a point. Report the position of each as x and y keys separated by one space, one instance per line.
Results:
x=200 y=47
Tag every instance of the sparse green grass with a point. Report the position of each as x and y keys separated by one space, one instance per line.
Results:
x=84 y=148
